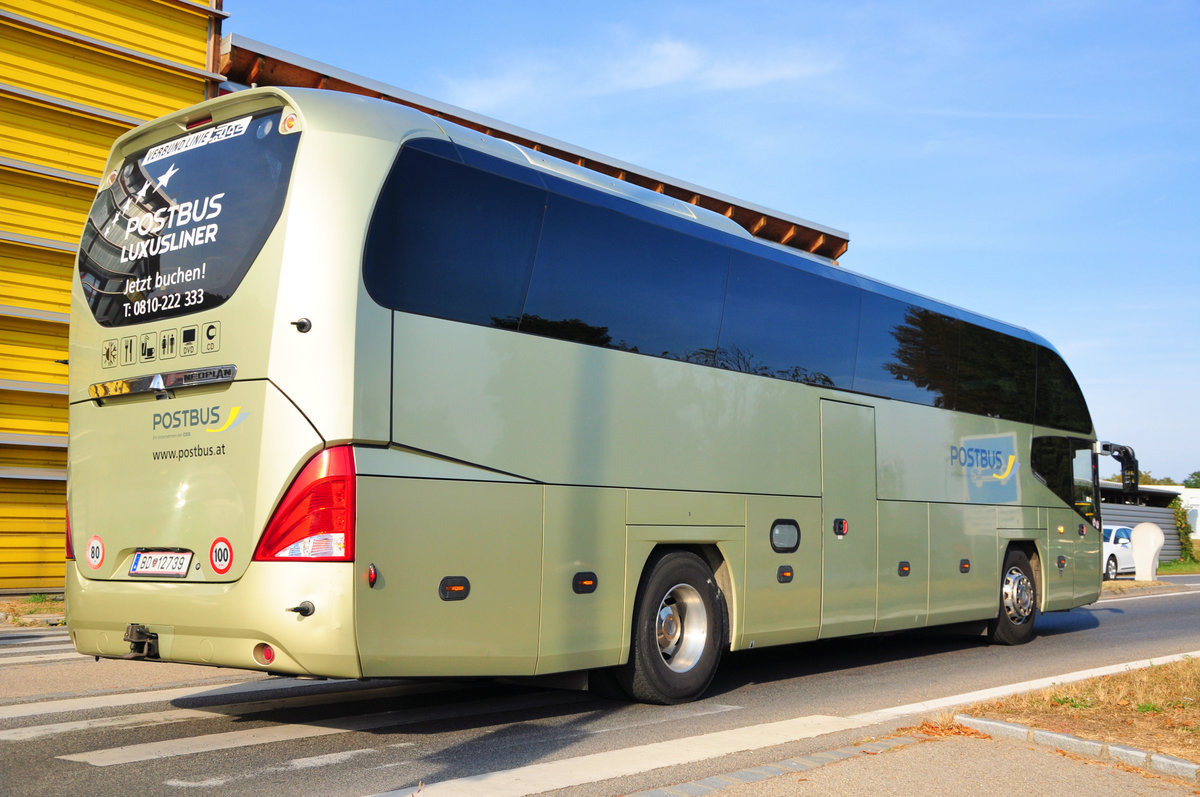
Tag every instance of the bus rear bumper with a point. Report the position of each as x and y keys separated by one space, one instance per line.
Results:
x=225 y=624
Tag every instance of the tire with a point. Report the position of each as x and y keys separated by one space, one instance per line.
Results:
x=1110 y=569
x=1013 y=624
x=678 y=631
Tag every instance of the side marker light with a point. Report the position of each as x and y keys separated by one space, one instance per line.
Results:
x=454 y=588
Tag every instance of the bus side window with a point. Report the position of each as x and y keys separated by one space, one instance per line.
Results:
x=451 y=241
x=1065 y=466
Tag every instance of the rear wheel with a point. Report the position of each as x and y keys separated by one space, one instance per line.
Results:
x=1110 y=569
x=1013 y=624
x=678 y=631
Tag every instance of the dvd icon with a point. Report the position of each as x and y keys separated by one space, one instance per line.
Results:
x=188 y=337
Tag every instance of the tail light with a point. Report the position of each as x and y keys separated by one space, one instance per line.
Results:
x=70 y=546
x=315 y=520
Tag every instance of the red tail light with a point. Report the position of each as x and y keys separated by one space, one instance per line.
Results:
x=315 y=520
x=70 y=546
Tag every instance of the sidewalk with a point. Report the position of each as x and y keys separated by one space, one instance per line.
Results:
x=1012 y=759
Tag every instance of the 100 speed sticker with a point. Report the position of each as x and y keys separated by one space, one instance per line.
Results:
x=220 y=556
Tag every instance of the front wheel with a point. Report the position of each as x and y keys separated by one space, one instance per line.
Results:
x=678 y=631
x=1110 y=569
x=1013 y=624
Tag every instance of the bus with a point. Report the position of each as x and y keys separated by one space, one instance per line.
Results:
x=356 y=392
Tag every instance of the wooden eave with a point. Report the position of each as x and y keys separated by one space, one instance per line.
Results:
x=252 y=63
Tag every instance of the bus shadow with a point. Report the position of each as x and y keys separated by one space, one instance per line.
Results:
x=787 y=662
x=531 y=736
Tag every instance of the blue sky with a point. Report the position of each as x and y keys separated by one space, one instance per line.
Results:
x=1038 y=162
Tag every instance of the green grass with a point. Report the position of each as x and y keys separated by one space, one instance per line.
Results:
x=1178 y=568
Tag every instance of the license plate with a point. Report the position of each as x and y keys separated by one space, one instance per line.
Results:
x=161 y=563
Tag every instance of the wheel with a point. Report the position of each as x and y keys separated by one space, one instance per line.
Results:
x=1110 y=569
x=1013 y=624
x=678 y=631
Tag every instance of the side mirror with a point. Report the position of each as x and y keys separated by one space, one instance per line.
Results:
x=1129 y=465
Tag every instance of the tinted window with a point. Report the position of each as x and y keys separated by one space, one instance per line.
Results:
x=178 y=226
x=608 y=279
x=995 y=374
x=498 y=244
x=1060 y=402
x=451 y=241
x=788 y=324
x=1067 y=467
x=906 y=352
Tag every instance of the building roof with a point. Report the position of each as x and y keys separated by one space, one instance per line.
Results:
x=253 y=63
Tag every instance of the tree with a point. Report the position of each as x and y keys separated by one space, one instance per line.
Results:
x=1145 y=477
x=1193 y=480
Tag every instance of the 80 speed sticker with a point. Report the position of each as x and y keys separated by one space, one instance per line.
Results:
x=220 y=556
x=95 y=553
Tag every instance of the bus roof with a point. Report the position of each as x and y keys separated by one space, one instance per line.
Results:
x=250 y=63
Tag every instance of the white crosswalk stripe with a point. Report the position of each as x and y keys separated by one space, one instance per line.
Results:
x=149 y=751
x=18 y=639
x=172 y=716
x=31 y=648
x=10 y=660
x=69 y=704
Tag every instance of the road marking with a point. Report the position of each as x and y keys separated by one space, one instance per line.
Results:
x=31 y=648
x=158 y=696
x=328 y=759
x=671 y=714
x=6 y=660
x=18 y=640
x=149 y=719
x=1144 y=597
x=150 y=751
x=571 y=772
x=123 y=721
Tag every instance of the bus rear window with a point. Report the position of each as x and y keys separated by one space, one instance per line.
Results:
x=176 y=227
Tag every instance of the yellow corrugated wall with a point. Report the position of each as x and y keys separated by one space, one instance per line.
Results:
x=74 y=74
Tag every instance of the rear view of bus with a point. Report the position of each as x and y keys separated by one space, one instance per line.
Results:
x=211 y=493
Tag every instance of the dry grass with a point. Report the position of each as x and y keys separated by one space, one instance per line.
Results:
x=24 y=610
x=1155 y=709
x=940 y=726
x=1122 y=586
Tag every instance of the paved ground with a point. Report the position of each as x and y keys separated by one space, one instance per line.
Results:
x=949 y=766
x=1014 y=759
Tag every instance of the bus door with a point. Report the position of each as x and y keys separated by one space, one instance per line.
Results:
x=849 y=534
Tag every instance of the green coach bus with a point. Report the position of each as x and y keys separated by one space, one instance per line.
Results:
x=356 y=392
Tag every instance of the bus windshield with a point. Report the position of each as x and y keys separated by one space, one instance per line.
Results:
x=176 y=226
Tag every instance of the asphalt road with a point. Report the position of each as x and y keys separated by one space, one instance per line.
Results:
x=69 y=725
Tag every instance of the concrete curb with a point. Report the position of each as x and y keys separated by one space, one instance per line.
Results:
x=1155 y=762
x=42 y=620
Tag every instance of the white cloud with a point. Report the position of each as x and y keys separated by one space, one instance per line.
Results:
x=622 y=64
